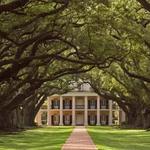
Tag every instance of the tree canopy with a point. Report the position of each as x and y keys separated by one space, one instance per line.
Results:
x=46 y=41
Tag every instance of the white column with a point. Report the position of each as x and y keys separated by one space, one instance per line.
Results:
x=98 y=110
x=86 y=111
x=61 y=111
x=73 y=111
x=110 y=112
x=39 y=121
x=49 y=121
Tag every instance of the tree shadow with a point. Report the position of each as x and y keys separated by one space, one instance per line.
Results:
x=39 y=139
x=120 y=139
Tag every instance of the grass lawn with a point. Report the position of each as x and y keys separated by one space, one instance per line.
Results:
x=108 y=138
x=50 y=138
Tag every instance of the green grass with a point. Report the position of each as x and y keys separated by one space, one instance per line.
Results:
x=50 y=138
x=108 y=138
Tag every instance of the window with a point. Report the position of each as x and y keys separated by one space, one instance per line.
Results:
x=56 y=118
x=92 y=118
x=67 y=118
x=92 y=102
x=56 y=103
x=103 y=102
x=103 y=117
x=44 y=118
x=67 y=103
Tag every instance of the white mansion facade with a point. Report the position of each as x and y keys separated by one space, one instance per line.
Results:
x=79 y=107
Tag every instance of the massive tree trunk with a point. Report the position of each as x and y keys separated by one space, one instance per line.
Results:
x=31 y=109
x=29 y=117
x=131 y=117
x=5 y=120
x=29 y=114
x=22 y=116
x=146 y=119
x=11 y=120
x=137 y=119
x=17 y=119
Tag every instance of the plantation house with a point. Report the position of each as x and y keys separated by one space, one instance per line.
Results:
x=79 y=107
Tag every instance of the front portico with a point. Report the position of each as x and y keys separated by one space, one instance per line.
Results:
x=81 y=108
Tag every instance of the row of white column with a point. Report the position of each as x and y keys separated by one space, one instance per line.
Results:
x=85 y=111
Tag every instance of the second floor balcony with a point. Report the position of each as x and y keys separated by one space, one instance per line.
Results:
x=55 y=106
x=92 y=104
x=104 y=107
x=104 y=104
x=80 y=104
x=67 y=106
x=92 y=107
x=79 y=107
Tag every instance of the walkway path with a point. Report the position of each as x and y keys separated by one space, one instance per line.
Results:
x=79 y=140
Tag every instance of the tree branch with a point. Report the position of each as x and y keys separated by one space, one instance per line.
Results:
x=145 y=4
x=133 y=75
x=13 y=5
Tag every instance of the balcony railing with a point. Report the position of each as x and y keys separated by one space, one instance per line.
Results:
x=79 y=106
x=67 y=106
x=92 y=107
x=55 y=106
x=104 y=107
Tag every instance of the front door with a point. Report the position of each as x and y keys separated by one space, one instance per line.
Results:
x=79 y=119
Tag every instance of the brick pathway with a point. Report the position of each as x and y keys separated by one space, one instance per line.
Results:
x=79 y=140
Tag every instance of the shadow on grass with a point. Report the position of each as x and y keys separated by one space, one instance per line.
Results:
x=51 y=138
x=108 y=138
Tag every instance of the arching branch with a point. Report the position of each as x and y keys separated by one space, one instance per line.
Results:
x=13 y=5
x=145 y=4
